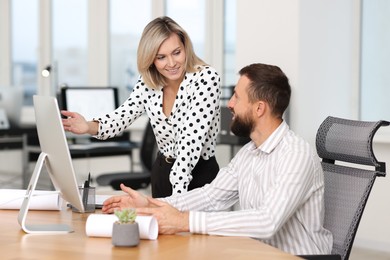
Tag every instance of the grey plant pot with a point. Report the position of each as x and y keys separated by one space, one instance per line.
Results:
x=125 y=234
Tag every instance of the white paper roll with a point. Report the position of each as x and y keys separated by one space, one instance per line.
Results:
x=100 y=225
x=40 y=199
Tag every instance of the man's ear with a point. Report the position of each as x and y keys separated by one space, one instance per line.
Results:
x=260 y=108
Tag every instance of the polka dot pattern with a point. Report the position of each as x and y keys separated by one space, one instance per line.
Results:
x=190 y=131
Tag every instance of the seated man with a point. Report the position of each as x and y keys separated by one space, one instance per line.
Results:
x=276 y=178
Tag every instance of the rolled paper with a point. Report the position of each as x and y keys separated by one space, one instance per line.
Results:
x=100 y=225
x=40 y=199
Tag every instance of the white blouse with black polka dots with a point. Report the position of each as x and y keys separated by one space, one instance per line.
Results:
x=188 y=133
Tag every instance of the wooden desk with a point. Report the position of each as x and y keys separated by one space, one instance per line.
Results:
x=15 y=244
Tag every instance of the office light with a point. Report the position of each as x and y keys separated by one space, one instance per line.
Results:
x=46 y=71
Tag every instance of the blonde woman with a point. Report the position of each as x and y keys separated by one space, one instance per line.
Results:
x=180 y=93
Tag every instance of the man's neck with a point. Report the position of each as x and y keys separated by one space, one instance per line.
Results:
x=264 y=129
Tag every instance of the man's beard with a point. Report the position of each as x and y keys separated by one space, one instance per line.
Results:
x=242 y=126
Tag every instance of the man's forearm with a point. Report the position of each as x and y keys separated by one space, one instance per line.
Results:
x=184 y=225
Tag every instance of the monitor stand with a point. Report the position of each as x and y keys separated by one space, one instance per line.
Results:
x=38 y=229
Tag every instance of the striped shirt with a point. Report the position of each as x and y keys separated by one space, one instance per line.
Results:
x=280 y=189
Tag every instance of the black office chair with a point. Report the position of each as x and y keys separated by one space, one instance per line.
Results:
x=140 y=179
x=347 y=185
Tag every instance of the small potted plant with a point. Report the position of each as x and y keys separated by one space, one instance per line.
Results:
x=125 y=231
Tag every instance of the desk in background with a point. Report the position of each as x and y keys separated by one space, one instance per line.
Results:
x=13 y=138
x=86 y=147
x=26 y=138
x=15 y=244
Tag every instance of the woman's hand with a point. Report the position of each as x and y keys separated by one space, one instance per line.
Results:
x=132 y=199
x=76 y=123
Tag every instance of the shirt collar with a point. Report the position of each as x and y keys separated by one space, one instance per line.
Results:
x=191 y=77
x=273 y=140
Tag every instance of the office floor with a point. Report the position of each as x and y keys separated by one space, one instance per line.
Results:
x=10 y=181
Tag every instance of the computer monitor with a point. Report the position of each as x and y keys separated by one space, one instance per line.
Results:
x=11 y=101
x=90 y=102
x=55 y=156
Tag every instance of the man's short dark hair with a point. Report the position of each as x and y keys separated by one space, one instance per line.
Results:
x=270 y=84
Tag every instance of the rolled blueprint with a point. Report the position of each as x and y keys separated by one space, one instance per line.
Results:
x=40 y=199
x=100 y=225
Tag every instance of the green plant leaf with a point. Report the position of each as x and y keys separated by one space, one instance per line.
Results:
x=127 y=215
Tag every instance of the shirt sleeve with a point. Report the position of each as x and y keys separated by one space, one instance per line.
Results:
x=208 y=206
x=115 y=122
x=221 y=194
x=199 y=124
x=280 y=202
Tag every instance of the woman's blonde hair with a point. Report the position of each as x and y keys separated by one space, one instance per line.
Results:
x=154 y=34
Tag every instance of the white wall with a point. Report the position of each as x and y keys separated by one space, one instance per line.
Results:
x=312 y=42
x=268 y=32
x=316 y=43
x=374 y=229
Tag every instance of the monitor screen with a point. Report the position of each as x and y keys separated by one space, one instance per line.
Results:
x=90 y=102
x=55 y=157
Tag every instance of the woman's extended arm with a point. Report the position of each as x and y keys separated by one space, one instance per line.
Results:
x=76 y=123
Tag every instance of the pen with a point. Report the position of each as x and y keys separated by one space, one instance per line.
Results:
x=85 y=191
x=87 y=182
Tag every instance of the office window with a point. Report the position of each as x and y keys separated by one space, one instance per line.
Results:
x=70 y=36
x=25 y=46
x=190 y=14
x=230 y=75
x=375 y=60
x=127 y=21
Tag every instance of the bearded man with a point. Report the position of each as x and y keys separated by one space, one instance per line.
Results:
x=276 y=178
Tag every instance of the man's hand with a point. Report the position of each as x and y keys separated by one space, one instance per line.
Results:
x=170 y=220
x=132 y=199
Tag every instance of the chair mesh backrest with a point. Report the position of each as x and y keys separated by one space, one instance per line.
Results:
x=346 y=193
x=347 y=187
x=348 y=140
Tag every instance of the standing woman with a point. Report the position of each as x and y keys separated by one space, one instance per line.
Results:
x=180 y=93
